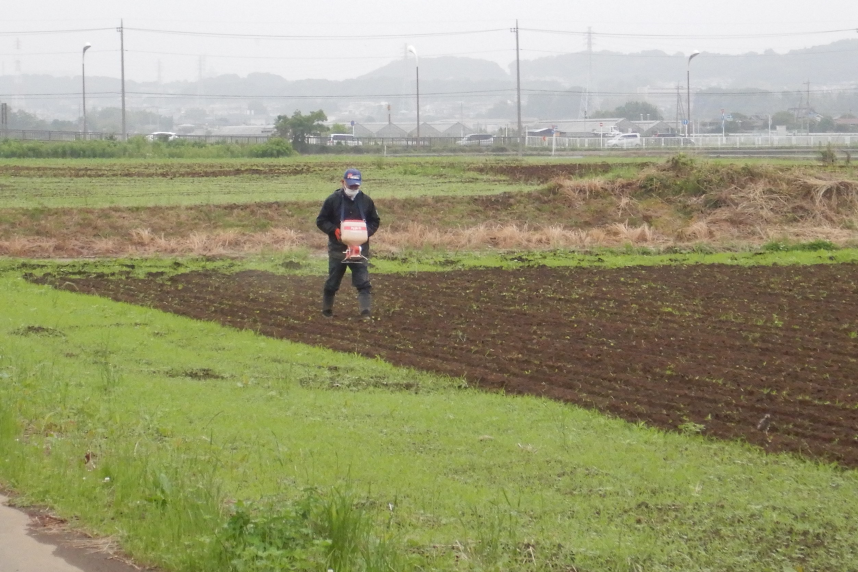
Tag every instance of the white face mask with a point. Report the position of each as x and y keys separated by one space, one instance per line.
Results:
x=351 y=193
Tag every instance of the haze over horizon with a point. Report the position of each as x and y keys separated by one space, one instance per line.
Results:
x=336 y=40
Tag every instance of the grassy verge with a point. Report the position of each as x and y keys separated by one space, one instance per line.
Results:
x=205 y=448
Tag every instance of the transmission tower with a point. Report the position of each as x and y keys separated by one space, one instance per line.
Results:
x=680 y=109
x=19 y=81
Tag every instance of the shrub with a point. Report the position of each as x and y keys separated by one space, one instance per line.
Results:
x=812 y=246
x=274 y=147
x=828 y=155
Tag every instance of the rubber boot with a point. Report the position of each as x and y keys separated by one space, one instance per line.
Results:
x=365 y=303
x=328 y=304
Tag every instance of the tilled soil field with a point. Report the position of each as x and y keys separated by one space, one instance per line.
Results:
x=768 y=355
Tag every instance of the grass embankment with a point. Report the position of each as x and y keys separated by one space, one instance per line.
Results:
x=203 y=448
x=439 y=204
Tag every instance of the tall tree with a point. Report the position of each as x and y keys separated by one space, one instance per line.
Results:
x=298 y=127
x=633 y=111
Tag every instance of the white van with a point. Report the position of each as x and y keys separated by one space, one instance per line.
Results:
x=625 y=140
x=343 y=139
x=477 y=139
x=162 y=136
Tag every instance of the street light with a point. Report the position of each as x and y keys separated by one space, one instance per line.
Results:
x=413 y=50
x=688 y=88
x=86 y=46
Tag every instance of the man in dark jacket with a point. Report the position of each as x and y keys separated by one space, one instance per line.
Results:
x=347 y=203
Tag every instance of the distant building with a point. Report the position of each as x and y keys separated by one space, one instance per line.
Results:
x=652 y=128
x=586 y=127
x=393 y=130
x=390 y=130
x=361 y=130
x=426 y=130
x=238 y=130
x=541 y=132
x=846 y=124
x=456 y=130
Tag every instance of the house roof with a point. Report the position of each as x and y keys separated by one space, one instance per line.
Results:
x=426 y=130
x=457 y=129
x=652 y=127
x=391 y=130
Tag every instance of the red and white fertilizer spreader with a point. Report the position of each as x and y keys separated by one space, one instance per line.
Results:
x=353 y=233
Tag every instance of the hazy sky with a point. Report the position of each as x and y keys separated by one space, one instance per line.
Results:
x=341 y=39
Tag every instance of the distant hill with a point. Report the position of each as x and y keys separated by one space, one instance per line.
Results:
x=551 y=87
x=827 y=65
x=442 y=69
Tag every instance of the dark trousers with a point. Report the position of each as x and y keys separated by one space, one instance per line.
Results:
x=336 y=271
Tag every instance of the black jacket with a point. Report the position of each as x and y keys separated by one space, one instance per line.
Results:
x=338 y=207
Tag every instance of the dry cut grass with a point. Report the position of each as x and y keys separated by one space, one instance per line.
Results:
x=143 y=242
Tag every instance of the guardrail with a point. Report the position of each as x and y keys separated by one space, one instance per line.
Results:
x=42 y=135
x=738 y=141
x=701 y=141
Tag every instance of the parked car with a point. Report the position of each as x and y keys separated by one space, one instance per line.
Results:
x=343 y=139
x=477 y=139
x=625 y=140
x=161 y=136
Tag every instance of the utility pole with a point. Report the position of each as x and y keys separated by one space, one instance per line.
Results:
x=807 y=110
x=121 y=30
x=518 y=83
x=688 y=88
x=86 y=46
x=680 y=110
x=584 y=105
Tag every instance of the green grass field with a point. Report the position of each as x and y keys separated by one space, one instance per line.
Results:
x=202 y=448
x=199 y=447
x=309 y=179
x=168 y=182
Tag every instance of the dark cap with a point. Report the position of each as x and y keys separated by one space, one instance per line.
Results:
x=352 y=177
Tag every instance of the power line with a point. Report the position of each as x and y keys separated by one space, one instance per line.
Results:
x=312 y=38
x=230 y=56
x=680 y=56
x=699 y=93
x=387 y=57
x=75 y=52
x=265 y=96
x=69 y=31
x=434 y=34
x=694 y=36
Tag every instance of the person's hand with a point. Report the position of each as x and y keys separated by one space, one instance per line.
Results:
x=337 y=233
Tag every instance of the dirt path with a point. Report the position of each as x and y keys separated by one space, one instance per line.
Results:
x=28 y=543
x=763 y=354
